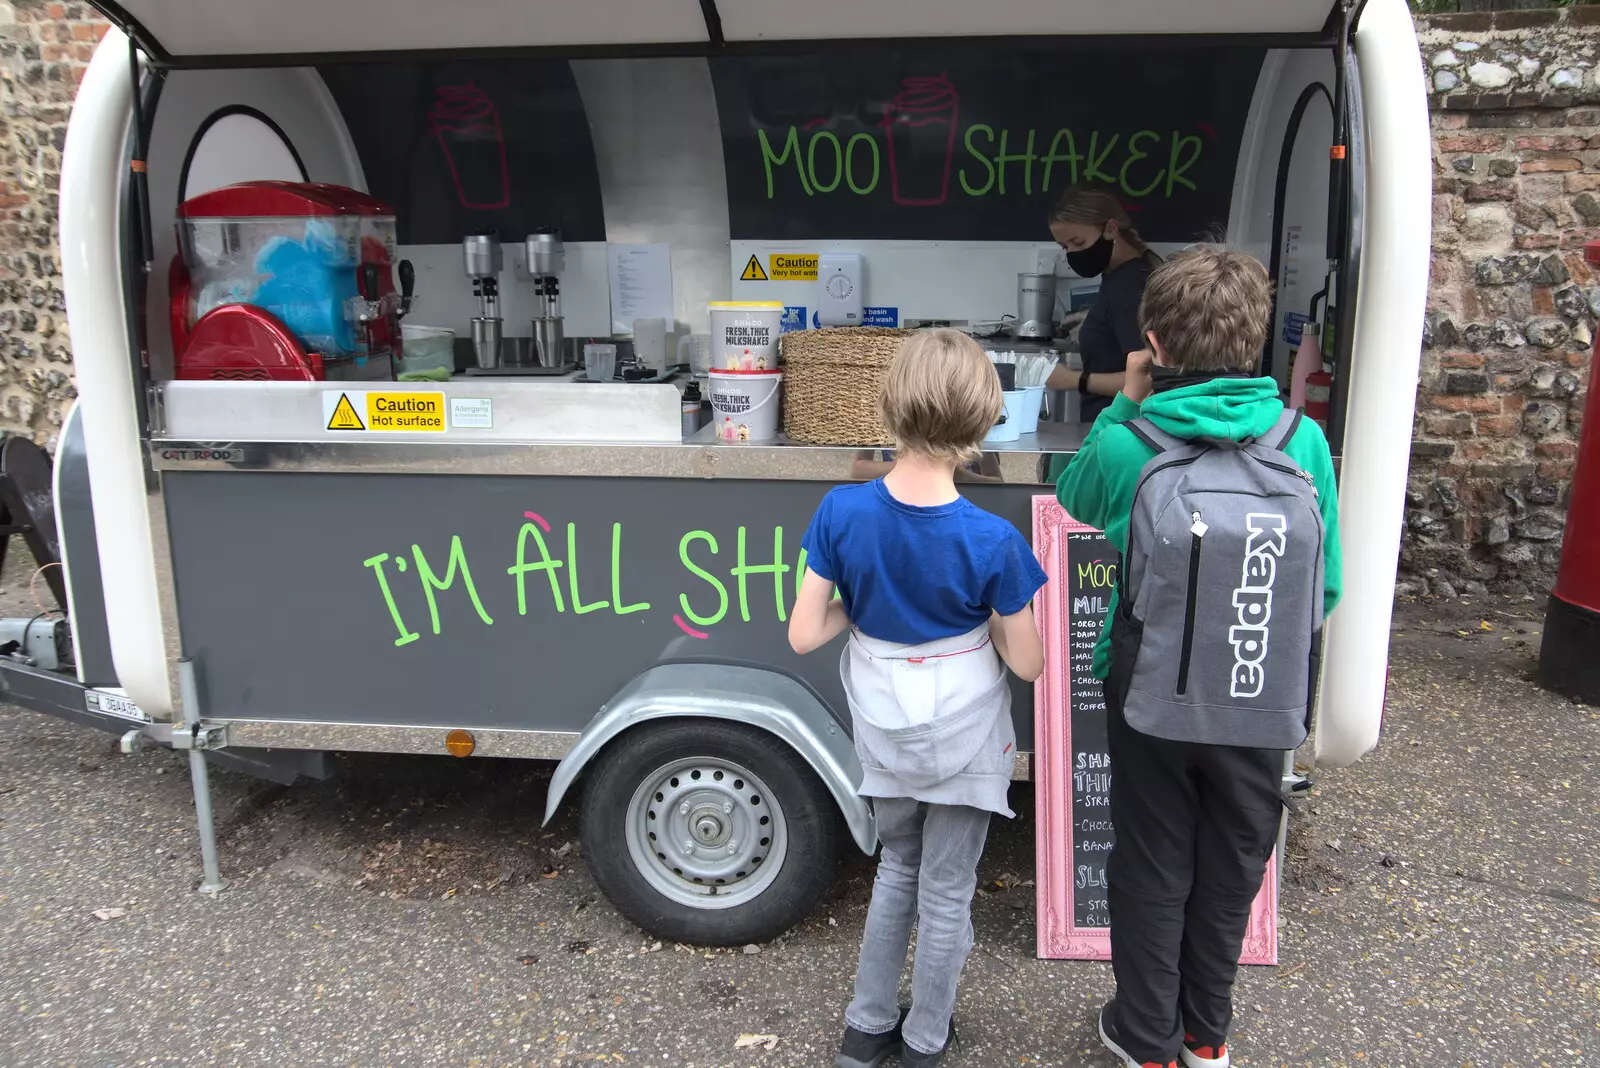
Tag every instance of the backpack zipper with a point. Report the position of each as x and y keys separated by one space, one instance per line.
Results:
x=1290 y=469
x=1197 y=533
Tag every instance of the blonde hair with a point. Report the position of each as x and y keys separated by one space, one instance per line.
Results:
x=1210 y=309
x=941 y=396
x=1095 y=207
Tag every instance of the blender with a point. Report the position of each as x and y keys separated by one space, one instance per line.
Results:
x=483 y=260
x=1036 y=305
x=546 y=258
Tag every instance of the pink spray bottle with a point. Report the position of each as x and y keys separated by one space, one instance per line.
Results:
x=1307 y=358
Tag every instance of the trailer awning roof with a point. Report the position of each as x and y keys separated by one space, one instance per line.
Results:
x=778 y=20
x=182 y=30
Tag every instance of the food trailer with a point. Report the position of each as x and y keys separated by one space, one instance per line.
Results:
x=276 y=544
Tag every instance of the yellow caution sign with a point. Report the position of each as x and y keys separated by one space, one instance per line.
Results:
x=344 y=416
x=793 y=267
x=385 y=411
x=753 y=272
x=406 y=412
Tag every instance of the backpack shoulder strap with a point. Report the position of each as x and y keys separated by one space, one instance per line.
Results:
x=1158 y=440
x=1283 y=430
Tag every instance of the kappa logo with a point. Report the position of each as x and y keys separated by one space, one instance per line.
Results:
x=1253 y=600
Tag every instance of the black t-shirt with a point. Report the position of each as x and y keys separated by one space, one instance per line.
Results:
x=1111 y=328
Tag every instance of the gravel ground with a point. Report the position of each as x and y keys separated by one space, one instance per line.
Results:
x=1442 y=908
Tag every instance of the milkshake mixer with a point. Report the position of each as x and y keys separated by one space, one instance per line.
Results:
x=481 y=252
x=545 y=261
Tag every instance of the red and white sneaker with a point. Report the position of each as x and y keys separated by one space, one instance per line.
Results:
x=1197 y=1056
x=1112 y=1041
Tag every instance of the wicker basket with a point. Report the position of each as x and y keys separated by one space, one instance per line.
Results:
x=831 y=382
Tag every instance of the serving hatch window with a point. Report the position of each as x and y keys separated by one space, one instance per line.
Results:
x=938 y=164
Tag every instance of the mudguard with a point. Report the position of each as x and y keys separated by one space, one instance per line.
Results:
x=755 y=697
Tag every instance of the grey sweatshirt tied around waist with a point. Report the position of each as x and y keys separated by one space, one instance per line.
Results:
x=932 y=721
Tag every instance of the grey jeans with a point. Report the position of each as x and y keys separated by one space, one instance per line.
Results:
x=928 y=872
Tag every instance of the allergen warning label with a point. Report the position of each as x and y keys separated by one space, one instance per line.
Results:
x=384 y=411
x=471 y=413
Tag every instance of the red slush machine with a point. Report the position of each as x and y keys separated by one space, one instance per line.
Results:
x=287 y=282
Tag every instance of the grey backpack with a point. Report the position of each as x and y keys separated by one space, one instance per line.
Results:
x=1217 y=632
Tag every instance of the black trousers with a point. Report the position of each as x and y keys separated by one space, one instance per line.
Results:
x=1195 y=825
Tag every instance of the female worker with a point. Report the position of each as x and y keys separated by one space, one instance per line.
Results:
x=1101 y=242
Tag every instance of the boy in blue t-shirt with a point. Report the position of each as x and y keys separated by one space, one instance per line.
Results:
x=936 y=593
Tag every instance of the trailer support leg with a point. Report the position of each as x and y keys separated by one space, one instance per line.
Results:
x=1293 y=783
x=200 y=778
x=213 y=881
x=1283 y=819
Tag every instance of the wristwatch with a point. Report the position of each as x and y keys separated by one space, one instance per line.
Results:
x=1083 y=384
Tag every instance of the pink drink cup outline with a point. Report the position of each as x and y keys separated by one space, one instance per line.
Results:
x=914 y=118
x=465 y=122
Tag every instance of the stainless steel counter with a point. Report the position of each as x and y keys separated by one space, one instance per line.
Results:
x=1023 y=462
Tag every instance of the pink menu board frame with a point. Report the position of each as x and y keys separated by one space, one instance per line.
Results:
x=1060 y=937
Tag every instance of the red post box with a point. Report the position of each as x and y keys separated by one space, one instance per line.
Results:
x=1569 y=657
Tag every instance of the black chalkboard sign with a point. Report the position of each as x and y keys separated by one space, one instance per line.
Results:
x=474 y=145
x=976 y=144
x=1092 y=574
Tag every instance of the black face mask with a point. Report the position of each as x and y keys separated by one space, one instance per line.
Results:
x=1091 y=262
x=1165 y=378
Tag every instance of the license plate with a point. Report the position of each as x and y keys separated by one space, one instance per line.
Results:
x=111 y=704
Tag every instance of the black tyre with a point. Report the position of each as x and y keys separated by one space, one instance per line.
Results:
x=708 y=832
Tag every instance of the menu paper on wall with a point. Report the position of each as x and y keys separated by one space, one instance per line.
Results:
x=641 y=284
x=1071 y=766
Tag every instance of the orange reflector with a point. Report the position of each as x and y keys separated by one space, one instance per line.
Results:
x=460 y=743
x=1336 y=152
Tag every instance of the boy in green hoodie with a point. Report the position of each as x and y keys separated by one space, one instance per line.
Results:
x=1194 y=823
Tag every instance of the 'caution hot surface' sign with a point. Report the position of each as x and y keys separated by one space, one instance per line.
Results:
x=384 y=411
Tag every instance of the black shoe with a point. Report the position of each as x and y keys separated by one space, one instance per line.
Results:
x=858 y=1049
x=1111 y=1040
x=912 y=1058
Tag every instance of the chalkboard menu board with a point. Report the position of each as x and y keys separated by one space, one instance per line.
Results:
x=1071 y=766
x=970 y=144
x=473 y=145
x=1090 y=577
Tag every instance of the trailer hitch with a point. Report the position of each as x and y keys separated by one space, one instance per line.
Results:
x=175 y=736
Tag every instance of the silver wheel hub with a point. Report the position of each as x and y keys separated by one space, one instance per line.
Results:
x=705 y=832
x=709 y=830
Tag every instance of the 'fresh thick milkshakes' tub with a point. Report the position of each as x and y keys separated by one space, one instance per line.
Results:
x=744 y=335
x=744 y=404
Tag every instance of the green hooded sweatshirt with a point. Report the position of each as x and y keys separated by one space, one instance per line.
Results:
x=1097 y=486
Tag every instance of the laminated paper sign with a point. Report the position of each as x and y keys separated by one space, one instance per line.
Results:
x=1071 y=768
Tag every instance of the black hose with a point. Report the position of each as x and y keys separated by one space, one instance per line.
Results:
x=141 y=187
x=1280 y=194
x=1338 y=161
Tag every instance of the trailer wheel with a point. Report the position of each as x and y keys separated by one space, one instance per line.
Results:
x=708 y=832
